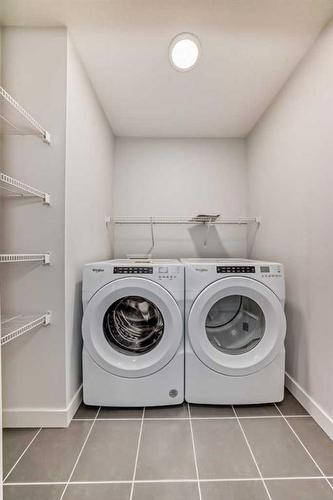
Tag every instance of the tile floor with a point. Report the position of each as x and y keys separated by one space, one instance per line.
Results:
x=186 y=452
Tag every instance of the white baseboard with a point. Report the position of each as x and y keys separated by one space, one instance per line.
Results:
x=314 y=409
x=74 y=405
x=42 y=417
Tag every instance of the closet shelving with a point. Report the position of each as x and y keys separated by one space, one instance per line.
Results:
x=17 y=121
x=14 y=188
x=15 y=326
x=197 y=219
x=25 y=257
x=206 y=221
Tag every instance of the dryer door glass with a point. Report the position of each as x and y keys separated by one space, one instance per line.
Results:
x=133 y=325
x=235 y=324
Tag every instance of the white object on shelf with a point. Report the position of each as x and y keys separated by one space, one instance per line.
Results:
x=119 y=220
x=15 y=326
x=17 y=188
x=27 y=124
x=25 y=257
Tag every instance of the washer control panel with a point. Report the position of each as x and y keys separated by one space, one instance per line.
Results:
x=167 y=273
x=235 y=269
x=133 y=270
x=273 y=271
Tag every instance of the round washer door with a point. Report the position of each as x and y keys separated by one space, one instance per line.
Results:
x=132 y=327
x=236 y=326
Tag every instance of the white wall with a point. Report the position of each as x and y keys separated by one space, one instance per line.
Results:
x=42 y=370
x=34 y=365
x=1 y=212
x=180 y=177
x=290 y=181
x=89 y=161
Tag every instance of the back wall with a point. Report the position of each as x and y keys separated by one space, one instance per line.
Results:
x=185 y=177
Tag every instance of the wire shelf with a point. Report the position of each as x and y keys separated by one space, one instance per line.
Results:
x=15 y=326
x=25 y=257
x=15 y=188
x=197 y=219
x=16 y=120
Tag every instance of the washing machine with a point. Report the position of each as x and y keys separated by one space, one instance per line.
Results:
x=235 y=328
x=133 y=333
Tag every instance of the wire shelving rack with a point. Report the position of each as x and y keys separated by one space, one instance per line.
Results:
x=15 y=188
x=16 y=120
x=13 y=326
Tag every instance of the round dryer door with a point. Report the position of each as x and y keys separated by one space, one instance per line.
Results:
x=132 y=327
x=236 y=326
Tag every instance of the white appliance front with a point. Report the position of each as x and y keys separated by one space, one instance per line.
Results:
x=227 y=324
x=235 y=331
x=132 y=327
x=132 y=330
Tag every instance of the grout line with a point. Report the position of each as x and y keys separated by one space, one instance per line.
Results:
x=305 y=448
x=273 y=416
x=292 y=478
x=137 y=454
x=192 y=418
x=79 y=456
x=145 y=481
x=46 y=483
x=108 y=419
x=22 y=454
x=194 y=452
x=252 y=454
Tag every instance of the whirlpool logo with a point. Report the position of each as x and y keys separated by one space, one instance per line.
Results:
x=97 y=270
x=201 y=269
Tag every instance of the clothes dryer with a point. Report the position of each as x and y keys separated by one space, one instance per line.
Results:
x=235 y=328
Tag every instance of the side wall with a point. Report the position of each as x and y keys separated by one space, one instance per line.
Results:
x=34 y=374
x=42 y=370
x=1 y=212
x=89 y=161
x=290 y=180
x=182 y=177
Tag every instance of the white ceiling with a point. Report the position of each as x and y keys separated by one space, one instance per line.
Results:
x=249 y=49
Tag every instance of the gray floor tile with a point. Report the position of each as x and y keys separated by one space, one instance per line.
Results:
x=52 y=455
x=211 y=411
x=98 y=492
x=178 y=411
x=115 y=412
x=33 y=492
x=276 y=449
x=166 y=491
x=233 y=490
x=317 y=442
x=300 y=489
x=221 y=450
x=109 y=454
x=15 y=442
x=166 y=450
x=290 y=405
x=86 y=412
x=256 y=410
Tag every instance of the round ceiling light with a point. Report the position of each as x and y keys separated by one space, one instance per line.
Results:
x=184 y=51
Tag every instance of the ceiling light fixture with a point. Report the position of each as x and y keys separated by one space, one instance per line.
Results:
x=184 y=51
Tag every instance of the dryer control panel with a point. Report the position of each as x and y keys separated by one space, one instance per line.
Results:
x=132 y=270
x=235 y=269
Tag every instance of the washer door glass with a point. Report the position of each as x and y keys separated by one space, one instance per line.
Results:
x=133 y=325
x=235 y=324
